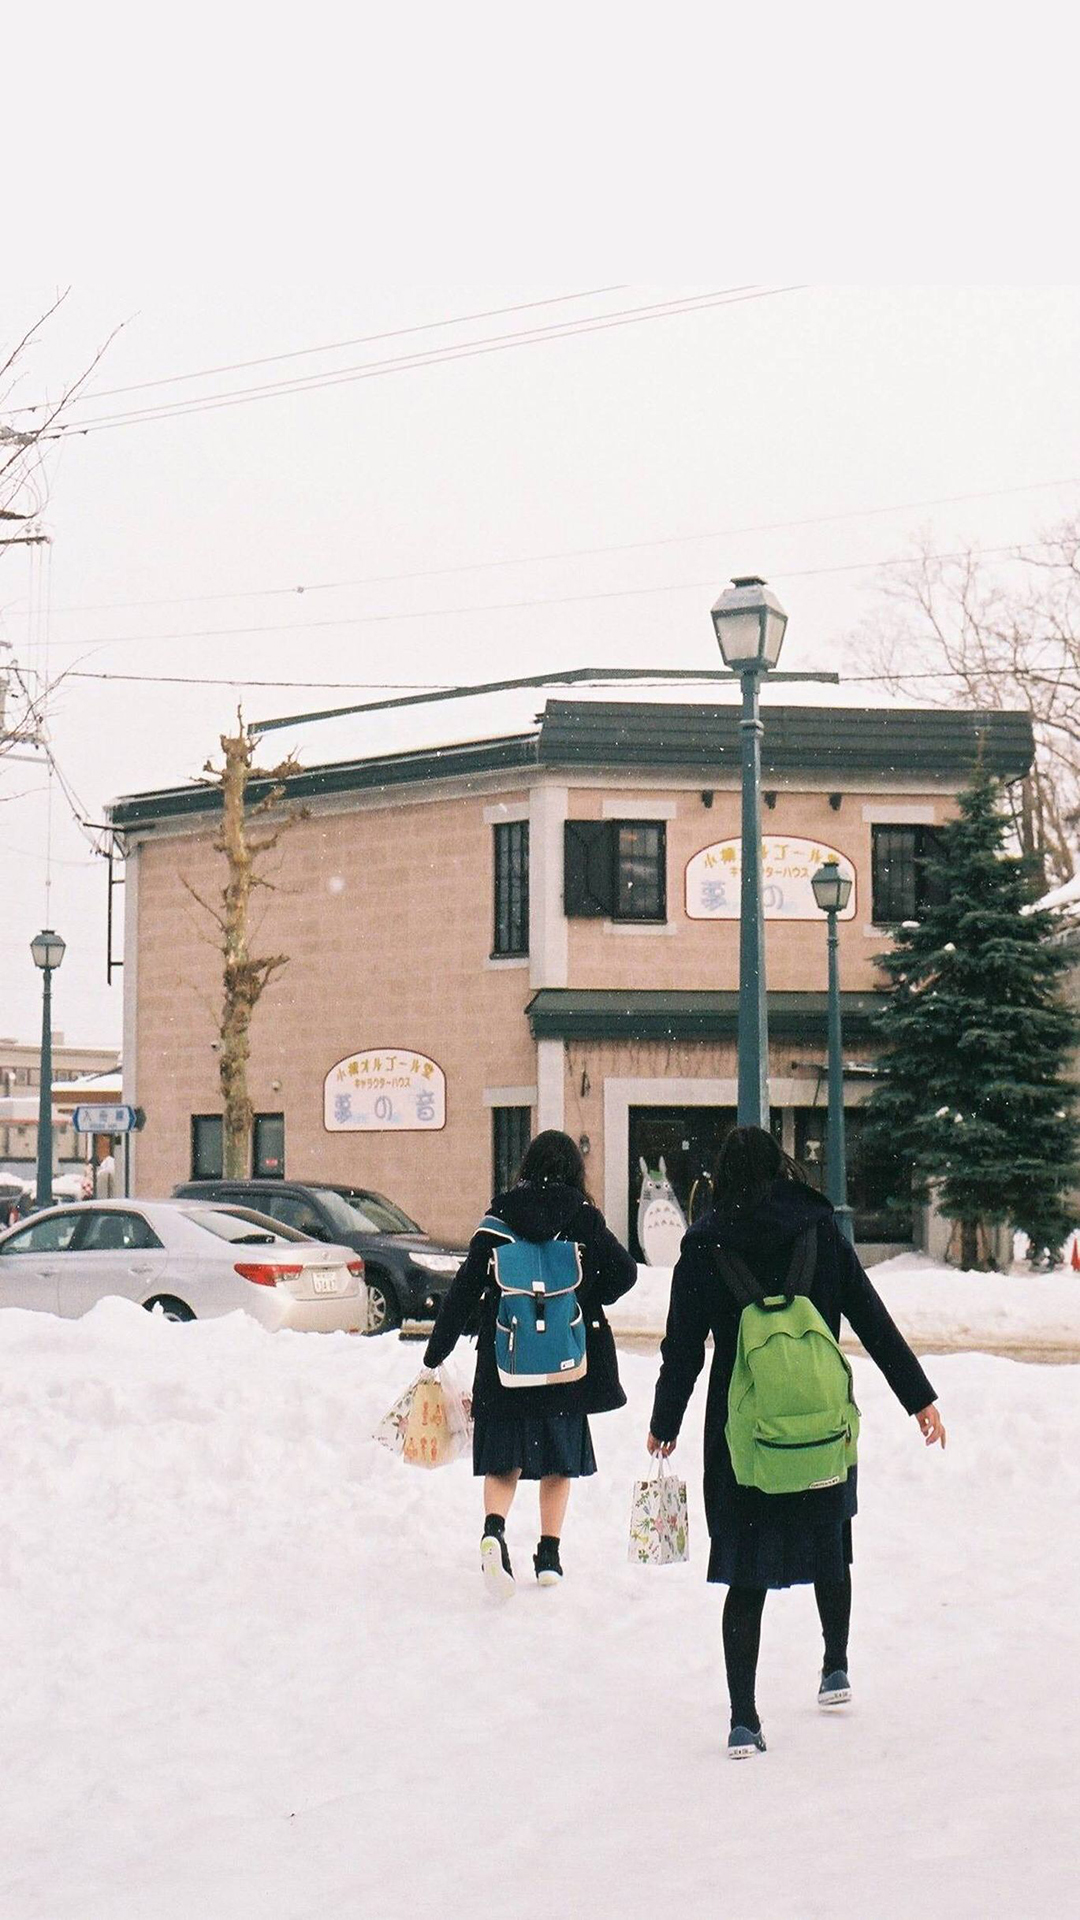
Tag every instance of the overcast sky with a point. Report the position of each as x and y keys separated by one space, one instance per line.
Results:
x=228 y=202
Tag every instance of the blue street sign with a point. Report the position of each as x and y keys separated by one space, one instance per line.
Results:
x=106 y=1119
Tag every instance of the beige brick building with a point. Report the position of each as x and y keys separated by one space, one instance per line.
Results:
x=538 y=930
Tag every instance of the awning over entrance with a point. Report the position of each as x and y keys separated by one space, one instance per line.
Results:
x=582 y=1013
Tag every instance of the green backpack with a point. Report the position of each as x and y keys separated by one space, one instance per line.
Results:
x=792 y=1422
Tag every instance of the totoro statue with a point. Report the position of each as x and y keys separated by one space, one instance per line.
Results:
x=661 y=1221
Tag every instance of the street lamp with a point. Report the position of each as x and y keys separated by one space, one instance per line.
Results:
x=48 y=950
x=832 y=891
x=749 y=623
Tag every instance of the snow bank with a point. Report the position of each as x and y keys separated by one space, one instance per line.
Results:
x=931 y=1304
x=247 y=1673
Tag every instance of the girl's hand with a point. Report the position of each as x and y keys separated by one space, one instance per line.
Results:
x=662 y=1447
x=930 y=1425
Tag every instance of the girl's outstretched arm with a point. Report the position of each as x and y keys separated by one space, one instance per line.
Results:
x=461 y=1300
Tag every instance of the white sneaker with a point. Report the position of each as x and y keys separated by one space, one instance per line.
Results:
x=495 y=1566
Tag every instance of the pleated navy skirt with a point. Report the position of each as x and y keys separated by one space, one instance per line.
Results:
x=785 y=1539
x=536 y=1446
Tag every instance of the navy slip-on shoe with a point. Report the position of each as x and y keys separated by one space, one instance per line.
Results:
x=742 y=1742
x=835 y=1689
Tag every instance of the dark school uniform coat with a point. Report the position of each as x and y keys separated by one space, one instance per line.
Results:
x=701 y=1304
x=540 y=1212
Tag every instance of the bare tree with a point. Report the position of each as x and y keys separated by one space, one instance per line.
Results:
x=957 y=627
x=245 y=975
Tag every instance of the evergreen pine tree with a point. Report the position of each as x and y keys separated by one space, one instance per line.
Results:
x=975 y=1089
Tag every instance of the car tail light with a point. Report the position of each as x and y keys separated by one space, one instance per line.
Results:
x=356 y=1267
x=264 y=1274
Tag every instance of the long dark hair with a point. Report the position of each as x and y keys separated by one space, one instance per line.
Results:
x=553 y=1159
x=750 y=1160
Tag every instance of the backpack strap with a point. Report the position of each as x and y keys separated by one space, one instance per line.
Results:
x=803 y=1262
x=738 y=1278
x=747 y=1288
x=496 y=1227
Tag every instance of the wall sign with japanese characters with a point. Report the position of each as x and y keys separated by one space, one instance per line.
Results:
x=385 y=1090
x=714 y=878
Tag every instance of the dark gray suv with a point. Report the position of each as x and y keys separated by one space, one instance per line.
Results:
x=407 y=1273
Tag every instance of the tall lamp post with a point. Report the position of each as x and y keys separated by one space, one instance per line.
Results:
x=749 y=623
x=48 y=950
x=832 y=891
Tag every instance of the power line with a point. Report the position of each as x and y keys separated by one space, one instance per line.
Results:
x=499 y=343
x=335 y=346
x=517 y=606
x=569 y=553
x=657 y=678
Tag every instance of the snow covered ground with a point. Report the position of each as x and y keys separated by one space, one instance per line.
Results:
x=933 y=1305
x=248 y=1673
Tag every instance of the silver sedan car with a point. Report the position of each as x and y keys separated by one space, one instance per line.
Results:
x=185 y=1259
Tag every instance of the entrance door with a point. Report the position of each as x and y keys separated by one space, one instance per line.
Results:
x=688 y=1140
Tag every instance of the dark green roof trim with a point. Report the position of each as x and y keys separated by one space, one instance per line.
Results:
x=571 y=1013
x=796 y=740
x=620 y=735
x=344 y=776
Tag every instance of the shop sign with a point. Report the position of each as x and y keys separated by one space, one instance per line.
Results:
x=385 y=1090
x=714 y=878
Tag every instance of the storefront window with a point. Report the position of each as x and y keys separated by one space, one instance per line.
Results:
x=871 y=1176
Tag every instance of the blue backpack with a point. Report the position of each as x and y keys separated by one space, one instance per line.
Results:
x=539 y=1325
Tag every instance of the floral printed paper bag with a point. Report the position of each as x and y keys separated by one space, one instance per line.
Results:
x=659 y=1532
x=427 y=1426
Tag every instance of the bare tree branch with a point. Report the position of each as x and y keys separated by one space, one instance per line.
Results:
x=245 y=976
x=957 y=628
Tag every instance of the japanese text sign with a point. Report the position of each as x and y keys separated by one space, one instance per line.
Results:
x=385 y=1090
x=788 y=865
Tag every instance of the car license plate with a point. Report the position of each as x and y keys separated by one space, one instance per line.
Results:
x=325 y=1282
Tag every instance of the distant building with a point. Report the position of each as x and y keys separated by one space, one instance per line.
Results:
x=20 y=1081
x=540 y=930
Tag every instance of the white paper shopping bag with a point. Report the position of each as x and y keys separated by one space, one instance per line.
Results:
x=659 y=1529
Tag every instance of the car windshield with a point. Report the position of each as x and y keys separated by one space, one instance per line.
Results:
x=241 y=1231
x=342 y=1217
x=378 y=1214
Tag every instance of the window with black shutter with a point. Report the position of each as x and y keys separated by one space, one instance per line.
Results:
x=615 y=869
x=511 y=933
x=588 y=870
x=902 y=885
x=511 y=1131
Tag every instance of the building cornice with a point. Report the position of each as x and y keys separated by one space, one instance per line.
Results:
x=623 y=740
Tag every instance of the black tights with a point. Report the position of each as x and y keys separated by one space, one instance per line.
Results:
x=742 y=1638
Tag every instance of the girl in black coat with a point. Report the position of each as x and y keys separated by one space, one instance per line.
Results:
x=761 y=1540
x=536 y=1433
